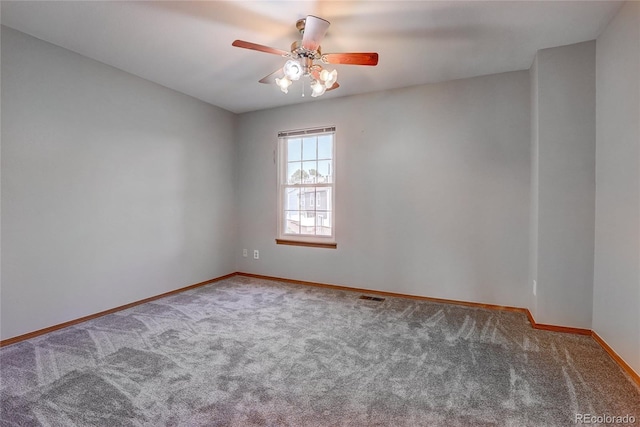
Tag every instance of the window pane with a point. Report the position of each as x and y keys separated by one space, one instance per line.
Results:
x=324 y=171
x=309 y=148
x=295 y=173
x=307 y=198
x=294 y=149
x=323 y=199
x=292 y=199
x=323 y=223
x=309 y=173
x=307 y=222
x=291 y=222
x=325 y=147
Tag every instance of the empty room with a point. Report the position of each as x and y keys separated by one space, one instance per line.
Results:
x=320 y=213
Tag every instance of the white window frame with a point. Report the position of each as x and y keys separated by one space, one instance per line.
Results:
x=283 y=185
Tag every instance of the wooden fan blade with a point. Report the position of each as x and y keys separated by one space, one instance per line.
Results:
x=271 y=78
x=260 y=48
x=363 y=58
x=335 y=86
x=314 y=30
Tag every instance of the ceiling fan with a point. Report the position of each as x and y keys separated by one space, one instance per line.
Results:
x=304 y=57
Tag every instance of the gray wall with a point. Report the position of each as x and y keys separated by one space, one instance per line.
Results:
x=432 y=190
x=0 y=176
x=114 y=189
x=533 y=213
x=564 y=141
x=616 y=303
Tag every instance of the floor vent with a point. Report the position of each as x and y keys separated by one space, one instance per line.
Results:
x=371 y=298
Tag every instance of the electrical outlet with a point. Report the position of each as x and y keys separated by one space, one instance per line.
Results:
x=244 y=253
x=256 y=254
x=535 y=286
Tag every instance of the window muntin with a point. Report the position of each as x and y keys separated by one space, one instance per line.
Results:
x=306 y=185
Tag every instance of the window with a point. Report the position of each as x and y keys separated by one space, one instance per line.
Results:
x=306 y=187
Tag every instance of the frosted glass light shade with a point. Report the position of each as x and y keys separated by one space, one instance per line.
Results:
x=329 y=78
x=317 y=88
x=293 y=69
x=284 y=84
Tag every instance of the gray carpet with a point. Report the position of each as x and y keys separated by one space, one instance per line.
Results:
x=245 y=352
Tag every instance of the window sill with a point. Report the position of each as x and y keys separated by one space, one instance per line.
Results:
x=308 y=244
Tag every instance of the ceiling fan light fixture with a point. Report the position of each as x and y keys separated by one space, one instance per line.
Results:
x=284 y=84
x=317 y=88
x=302 y=60
x=329 y=78
x=293 y=69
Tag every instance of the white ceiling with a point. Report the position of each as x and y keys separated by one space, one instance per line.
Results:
x=186 y=45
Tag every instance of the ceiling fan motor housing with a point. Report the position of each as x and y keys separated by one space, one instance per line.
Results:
x=297 y=51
